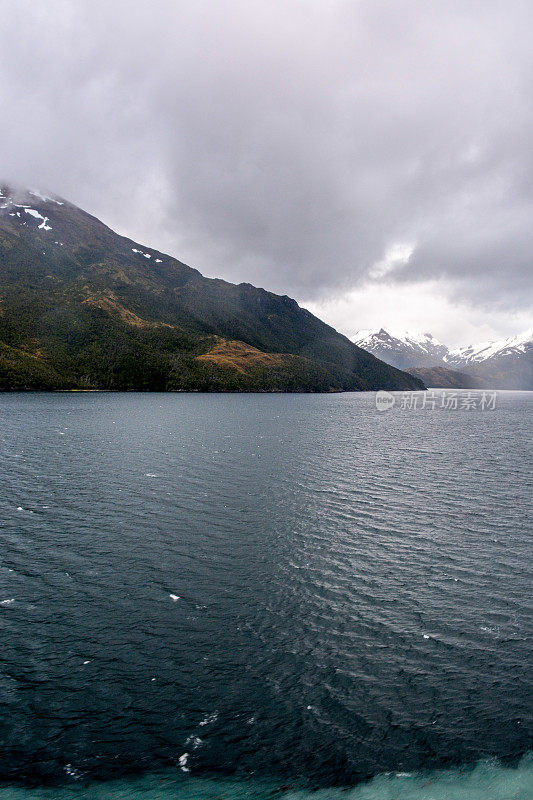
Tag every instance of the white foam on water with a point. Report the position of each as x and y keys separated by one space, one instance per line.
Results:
x=194 y=742
x=72 y=772
x=207 y=720
x=487 y=781
x=8 y=602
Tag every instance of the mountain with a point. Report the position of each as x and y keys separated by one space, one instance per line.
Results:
x=503 y=364
x=404 y=350
x=515 y=346
x=444 y=378
x=82 y=307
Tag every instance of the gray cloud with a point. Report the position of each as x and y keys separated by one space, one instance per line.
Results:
x=290 y=144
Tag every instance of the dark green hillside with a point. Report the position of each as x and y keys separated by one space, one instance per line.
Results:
x=81 y=307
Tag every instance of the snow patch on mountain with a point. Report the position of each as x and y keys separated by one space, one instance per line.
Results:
x=20 y=209
x=140 y=252
x=45 y=198
x=43 y=226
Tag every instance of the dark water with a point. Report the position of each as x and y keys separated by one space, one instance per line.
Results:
x=218 y=595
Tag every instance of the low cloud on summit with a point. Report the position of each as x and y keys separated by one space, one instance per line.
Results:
x=372 y=159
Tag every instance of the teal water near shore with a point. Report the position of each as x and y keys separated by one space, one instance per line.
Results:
x=486 y=781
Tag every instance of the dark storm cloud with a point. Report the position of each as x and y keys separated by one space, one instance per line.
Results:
x=289 y=144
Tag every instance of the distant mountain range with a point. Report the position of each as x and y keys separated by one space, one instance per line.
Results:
x=408 y=350
x=502 y=364
x=82 y=307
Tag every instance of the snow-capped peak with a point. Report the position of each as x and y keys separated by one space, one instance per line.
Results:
x=407 y=337
x=475 y=353
x=416 y=338
x=402 y=348
x=406 y=349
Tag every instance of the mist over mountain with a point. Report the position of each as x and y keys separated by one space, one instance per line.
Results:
x=502 y=364
x=82 y=307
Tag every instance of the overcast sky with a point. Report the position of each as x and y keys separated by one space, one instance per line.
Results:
x=373 y=159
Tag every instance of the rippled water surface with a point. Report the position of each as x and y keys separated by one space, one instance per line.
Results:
x=293 y=590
